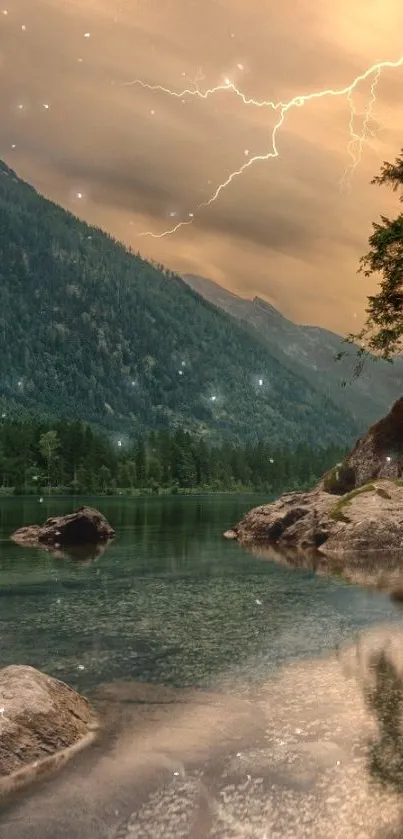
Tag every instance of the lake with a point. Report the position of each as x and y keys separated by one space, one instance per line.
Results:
x=170 y=601
x=277 y=738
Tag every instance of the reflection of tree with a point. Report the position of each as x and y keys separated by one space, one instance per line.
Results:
x=385 y=699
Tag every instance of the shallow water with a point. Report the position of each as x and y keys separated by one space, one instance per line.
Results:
x=280 y=741
x=170 y=601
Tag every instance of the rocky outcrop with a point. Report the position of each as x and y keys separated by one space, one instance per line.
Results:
x=378 y=454
x=40 y=718
x=85 y=526
x=296 y=519
x=368 y=519
x=357 y=507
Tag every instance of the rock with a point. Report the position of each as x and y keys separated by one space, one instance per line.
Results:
x=295 y=519
x=379 y=453
x=357 y=507
x=369 y=519
x=85 y=526
x=39 y=717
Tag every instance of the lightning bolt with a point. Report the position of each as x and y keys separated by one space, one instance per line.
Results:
x=199 y=77
x=355 y=146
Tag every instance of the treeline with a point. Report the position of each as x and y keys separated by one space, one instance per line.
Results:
x=70 y=457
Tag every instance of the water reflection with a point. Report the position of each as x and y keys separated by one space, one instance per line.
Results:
x=180 y=525
x=294 y=757
x=385 y=700
x=83 y=554
x=285 y=739
x=169 y=601
x=381 y=571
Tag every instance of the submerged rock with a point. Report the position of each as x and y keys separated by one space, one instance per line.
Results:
x=86 y=526
x=39 y=718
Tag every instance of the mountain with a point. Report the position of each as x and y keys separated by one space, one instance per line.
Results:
x=89 y=329
x=310 y=351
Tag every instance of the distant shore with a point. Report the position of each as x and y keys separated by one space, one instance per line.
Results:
x=146 y=492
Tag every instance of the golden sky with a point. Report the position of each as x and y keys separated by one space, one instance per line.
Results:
x=126 y=158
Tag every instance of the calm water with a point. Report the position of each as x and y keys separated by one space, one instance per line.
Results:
x=170 y=601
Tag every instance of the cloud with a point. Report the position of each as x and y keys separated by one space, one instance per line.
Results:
x=142 y=155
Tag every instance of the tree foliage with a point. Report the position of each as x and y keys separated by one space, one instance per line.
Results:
x=383 y=329
x=71 y=457
x=48 y=446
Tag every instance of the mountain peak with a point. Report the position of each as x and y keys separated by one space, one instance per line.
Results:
x=268 y=308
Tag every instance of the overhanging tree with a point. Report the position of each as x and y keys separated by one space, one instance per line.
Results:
x=382 y=334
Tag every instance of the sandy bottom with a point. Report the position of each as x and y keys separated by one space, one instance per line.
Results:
x=304 y=756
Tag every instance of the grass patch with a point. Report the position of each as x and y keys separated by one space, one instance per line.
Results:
x=337 y=512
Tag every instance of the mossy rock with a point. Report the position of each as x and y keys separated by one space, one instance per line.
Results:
x=339 y=480
x=337 y=513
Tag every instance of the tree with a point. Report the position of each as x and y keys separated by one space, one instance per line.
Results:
x=184 y=470
x=48 y=446
x=383 y=329
x=141 y=464
x=131 y=473
x=105 y=476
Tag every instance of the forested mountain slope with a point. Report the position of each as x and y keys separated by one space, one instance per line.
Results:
x=310 y=352
x=90 y=330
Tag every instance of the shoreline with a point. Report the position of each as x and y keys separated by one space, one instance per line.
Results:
x=143 y=494
x=292 y=759
x=45 y=768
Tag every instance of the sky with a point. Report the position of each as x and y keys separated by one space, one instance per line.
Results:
x=76 y=124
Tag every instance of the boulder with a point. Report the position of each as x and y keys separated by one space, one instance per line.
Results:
x=368 y=519
x=357 y=507
x=297 y=519
x=86 y=526
x=39 y=717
